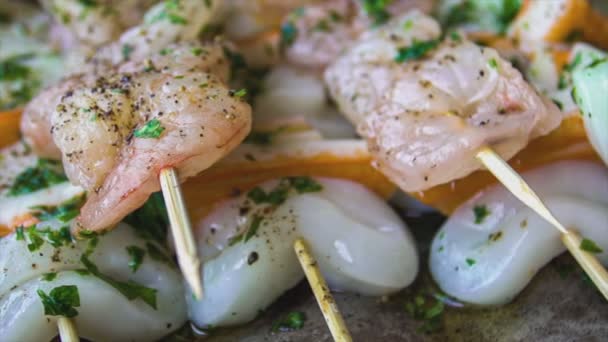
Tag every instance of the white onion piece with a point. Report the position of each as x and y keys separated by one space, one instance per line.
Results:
x=590 y=89
x=289 y=92
x=21 y=308
x=367 y=251
x=491 y=262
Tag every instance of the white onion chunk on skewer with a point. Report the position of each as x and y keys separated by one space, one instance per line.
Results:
x=488 y=257
x=366 y=251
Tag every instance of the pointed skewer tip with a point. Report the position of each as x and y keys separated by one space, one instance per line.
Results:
x=326 y=301
x=67 y=330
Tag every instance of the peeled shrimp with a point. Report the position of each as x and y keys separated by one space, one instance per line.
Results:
x=489 y=257
x=321 y=32
x=245 y=276
x=167 y=22
x=425 y=118
x=94 y=126
x=101 y=305
x=97 y=22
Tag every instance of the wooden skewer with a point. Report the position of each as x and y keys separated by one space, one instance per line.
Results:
x=572 y=240
x=326 y=301
x=181 y=229
x=67 y=330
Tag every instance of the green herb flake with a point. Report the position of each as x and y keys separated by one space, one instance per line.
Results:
x=455 y=36
x=428 y=309
x=197 y=51
x=305 y=184
x=45 y=174
x=63 y=212
x=150 y=222
x=126 y=51
x=376 y=9
x=558 y=103
x=493 y=63
x=289 y=34
x=480 y=212
x=19 y=234
x=417 y=50
x=49 y=276
x=470 y=261
x=61 y=301
x=253 y=228
x=151 y=130
x=238 y=93
x=590 y=246
x=293 y=321
x=130 y=289
x=137 y=257
x=13 y=68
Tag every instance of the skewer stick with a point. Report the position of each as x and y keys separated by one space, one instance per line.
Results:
x=572 y=240
x=326 y=301
x=67 y=330
x=181 y=229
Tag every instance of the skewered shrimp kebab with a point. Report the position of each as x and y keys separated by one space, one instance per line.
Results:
x=422 y=102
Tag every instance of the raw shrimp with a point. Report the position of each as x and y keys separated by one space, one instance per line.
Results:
x=116 y=132
x=315 y=35
x=97 y=22
x=246 y=244
x=426 y=107
x=493 y=245
x=167 y=22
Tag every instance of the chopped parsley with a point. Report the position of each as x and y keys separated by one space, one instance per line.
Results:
x=137 y=257
x=35 y=237
x=493 y=63
x=150 y=222
x=151 y=130
x=130 y=289
x=275 y=197
x=558 y=103
x=293 y=321
x=289 y=33
x=63 y=212
x=253 y=228
x=49 y=276
x=19 y=234
x=238 y=93
x=44 y=174
x=470 y=261
x=278 y=195
x=480 y=212
x=590 y=246
x=12 y=68
x=197 y=51
x=169 y=13
x=88 y=3
x=263 y=138
x=428 y=309
x=126 y=51
x=417 y=50
x=61 y=301
x=376 y=10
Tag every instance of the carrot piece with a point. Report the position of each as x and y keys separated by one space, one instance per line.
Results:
x=9 y=127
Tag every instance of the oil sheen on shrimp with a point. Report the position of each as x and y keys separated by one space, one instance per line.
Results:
x=102 y=127
x=493 y=245
x=370 y=252
x=425 y=115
